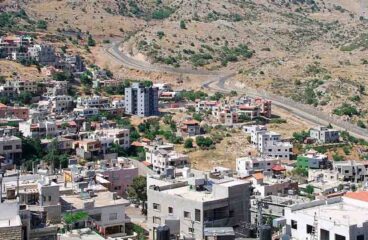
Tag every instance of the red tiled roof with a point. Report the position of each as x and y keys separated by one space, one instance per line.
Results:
x=278 y=168
x=190 y=122
x=3 y=105
x=361 y=196
x=258 y=176
x=147 y=163
x=137 y=144
x=246 y=107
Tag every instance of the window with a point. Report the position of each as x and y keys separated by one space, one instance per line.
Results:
x=170 y=210
x=96 y=217
x=186 y=214
x=294 y=224
x=157 y=220
x=339 y=237
x=49 y=198
x=7 y=147
x=324 y=234
x=310 y=229
x=360 y=237
x=191 y=230
x=197 y=215
x=156 y=206
x=113 y=216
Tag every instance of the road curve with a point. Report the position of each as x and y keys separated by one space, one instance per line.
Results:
x=217 y=81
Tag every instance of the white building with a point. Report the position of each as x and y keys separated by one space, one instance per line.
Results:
x=356 y=171
x=189 y=205
x=342 y=218
x=10 y=149
x=269 y=143
x=61 y=103
x=120 y=136
x=324 y=134
x=247 y=165
x=86 y=112
x=161 y=159
x=39 y=130
x=93 y=102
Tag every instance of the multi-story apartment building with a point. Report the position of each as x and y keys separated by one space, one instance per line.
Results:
x=11 y=224
x=202 y=106
x=43 y=54
x=141 y=101
x=324 y=134
x=269 y=143
x=93 y=102
x=312 y=159
x=248 y=165
x=14 y=112
x=356 y=171
x=119 y=175
x=339 y=218
x=190 y=206
x=22 y=86
x=61 y=103
x=39 y=129
x=162 y=159
x=105 y=210
x=86 y=112
x=262 y=106
x=120 y=136
x=10 y=149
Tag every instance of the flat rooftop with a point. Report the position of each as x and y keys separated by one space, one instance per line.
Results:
x=344 y=213
x=102 y=199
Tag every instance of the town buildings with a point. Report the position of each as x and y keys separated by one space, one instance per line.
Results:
x=141 y=100
x=190 y=207
x=246 y=166
x=339 y=218
x=324 y=134
x=312 y=159
x=10 y=149
x=269 y=143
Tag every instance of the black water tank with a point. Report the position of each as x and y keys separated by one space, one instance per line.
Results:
x=265 y=232
x=163 y=233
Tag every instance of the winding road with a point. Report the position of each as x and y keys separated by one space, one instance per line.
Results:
x=220 y=82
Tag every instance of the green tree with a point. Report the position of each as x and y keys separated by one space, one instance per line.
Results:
x=138 y=191
x=204 y=142
x=91 y=42
x=309 y=189
x=182 y=24
x=72 y=218
x=24 y=98
x=188 y=143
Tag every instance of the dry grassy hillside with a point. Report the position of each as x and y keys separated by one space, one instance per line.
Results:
x=313 y=51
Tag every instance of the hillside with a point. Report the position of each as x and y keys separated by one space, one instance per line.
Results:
x=313 y=51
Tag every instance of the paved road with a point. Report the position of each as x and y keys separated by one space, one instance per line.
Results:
x=219 y=82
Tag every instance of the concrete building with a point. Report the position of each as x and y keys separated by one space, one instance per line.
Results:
x=340 y=218
x=189 y=205
x=204 y=106
x=324 y=134
x=190 y=127
x=43 y=54
x=141 y=101
x=120 y=136
x=246 y=166
x=271 y=185
x=10 y=222
x=313 y=160
x=356 y=171
x=14 y=112
x=118 y=174
x=61 y=103
x=162 y=159
x=269 y=143
x=105 y=209
x=23 y=86
x=10 y=149
x=40 y=129
x=93 y=102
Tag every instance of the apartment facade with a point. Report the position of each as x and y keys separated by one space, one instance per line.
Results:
x=248 y=165
x=10 y=149
x=141 y=101
x=187 y=208
x=325 y=134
